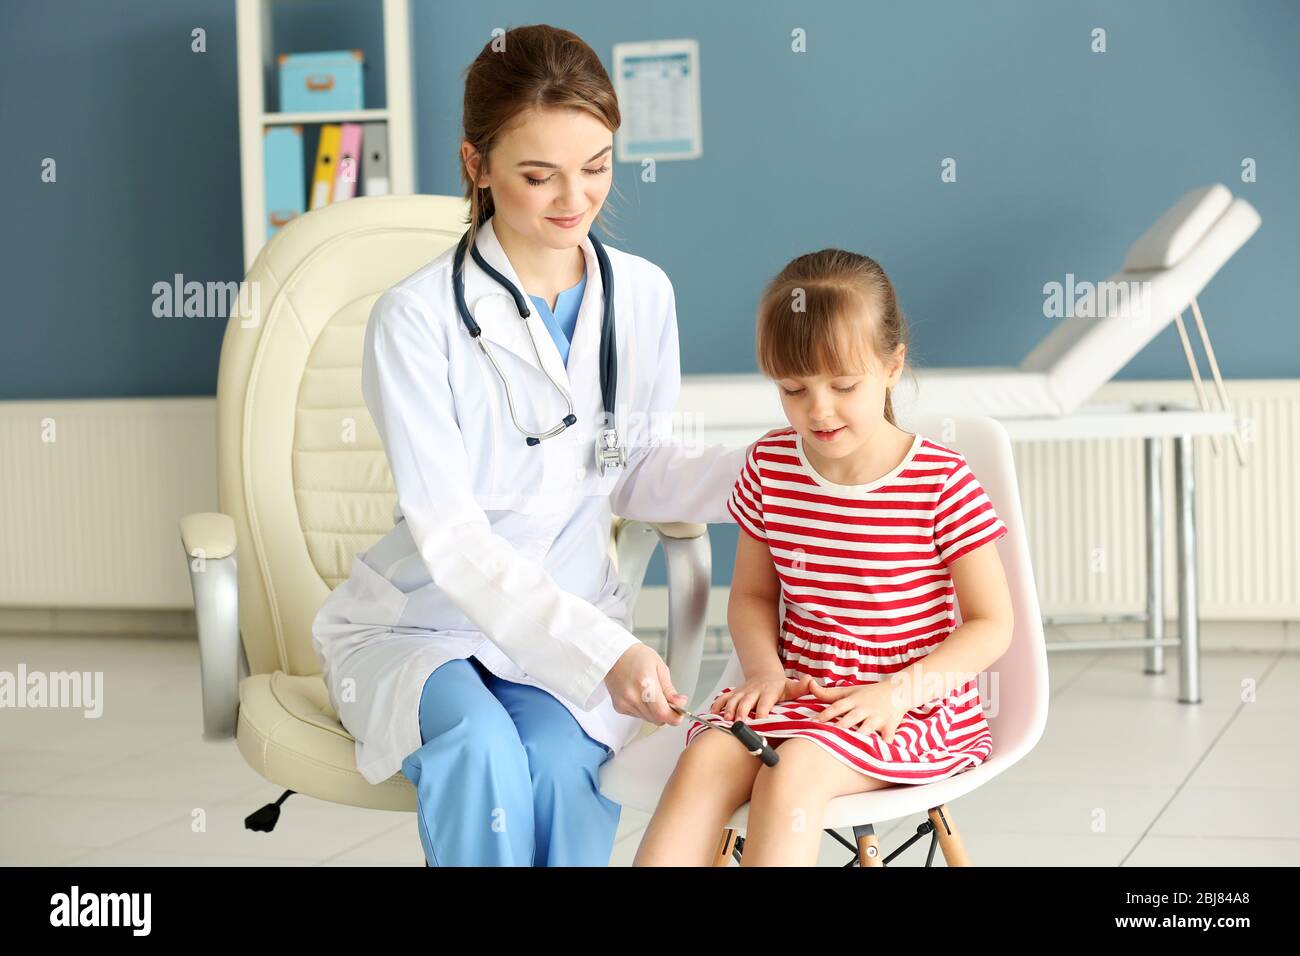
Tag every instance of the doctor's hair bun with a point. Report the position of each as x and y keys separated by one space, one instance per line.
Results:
x=829 y=312
x=526 y=68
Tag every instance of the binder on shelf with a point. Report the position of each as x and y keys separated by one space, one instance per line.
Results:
x=345 y=180
x=327 y=156
x=375 y=149
x=285 y=188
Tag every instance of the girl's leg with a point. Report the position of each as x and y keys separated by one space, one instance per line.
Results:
x=574 y=823
x=713 y=777
x=789 y=802
x=470 y=775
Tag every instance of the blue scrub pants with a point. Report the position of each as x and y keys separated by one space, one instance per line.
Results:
x=505 y=776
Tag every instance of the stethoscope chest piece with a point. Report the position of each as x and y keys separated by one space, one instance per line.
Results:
x=609 y=453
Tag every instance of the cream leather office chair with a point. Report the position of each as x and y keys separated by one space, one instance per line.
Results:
x=1014 y=691
x=297 y=500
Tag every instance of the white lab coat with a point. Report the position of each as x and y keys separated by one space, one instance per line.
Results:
x=500 y=550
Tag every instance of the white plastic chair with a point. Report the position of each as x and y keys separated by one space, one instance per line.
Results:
x=1015 y=702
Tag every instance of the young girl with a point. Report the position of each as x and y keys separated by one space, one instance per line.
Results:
x=861 y=532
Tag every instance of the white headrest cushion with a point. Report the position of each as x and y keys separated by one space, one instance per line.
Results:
x=1178 y=230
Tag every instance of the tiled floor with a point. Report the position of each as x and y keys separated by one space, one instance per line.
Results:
x=1124 y=774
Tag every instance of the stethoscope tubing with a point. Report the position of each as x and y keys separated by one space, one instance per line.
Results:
x=608 y=343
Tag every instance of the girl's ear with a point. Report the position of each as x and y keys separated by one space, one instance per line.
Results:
x=895 y=367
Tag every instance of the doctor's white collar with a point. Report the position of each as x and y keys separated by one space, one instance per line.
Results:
x=479 y=284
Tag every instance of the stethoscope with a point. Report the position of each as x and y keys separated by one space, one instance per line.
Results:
x=609 y=453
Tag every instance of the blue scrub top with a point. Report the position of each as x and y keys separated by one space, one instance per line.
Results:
x=564 y=319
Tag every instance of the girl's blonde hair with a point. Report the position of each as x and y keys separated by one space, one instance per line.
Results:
x=528 y=68
x=820 y=311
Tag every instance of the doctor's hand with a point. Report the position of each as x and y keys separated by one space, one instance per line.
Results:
x=640 y=685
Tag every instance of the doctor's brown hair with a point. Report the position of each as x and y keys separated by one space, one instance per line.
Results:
x=528 y=68
x=824 y=313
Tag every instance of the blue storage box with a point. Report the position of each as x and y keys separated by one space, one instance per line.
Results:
x=325 y=81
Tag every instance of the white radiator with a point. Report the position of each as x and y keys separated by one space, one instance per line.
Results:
x=90 y=519
x=90 y=496
x=1085 y=511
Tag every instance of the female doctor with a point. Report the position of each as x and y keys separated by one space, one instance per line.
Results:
x=482 y=646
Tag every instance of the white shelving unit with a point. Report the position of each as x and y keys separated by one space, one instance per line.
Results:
x=256 y=59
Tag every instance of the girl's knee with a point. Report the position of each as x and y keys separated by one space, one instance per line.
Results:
x=714 y=750
x=806 y=773
x=796 y=772
x=717 y=764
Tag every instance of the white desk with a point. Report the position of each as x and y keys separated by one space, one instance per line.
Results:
x=1153 y=424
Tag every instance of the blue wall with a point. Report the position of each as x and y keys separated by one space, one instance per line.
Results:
x=1064 y=157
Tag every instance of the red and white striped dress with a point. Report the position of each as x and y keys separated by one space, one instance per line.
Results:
x=866 y=591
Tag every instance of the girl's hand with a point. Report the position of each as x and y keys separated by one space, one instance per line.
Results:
x=759 y=693
x=877 y=707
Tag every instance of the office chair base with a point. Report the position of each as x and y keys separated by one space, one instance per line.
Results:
x=265 y=819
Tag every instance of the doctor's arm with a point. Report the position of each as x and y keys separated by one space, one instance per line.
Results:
x=553 y=635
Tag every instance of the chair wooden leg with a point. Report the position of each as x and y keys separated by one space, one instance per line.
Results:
x=954 y=853
x=869 y=851
x=725 y=846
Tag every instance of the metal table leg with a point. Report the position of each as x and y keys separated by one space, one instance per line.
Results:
x=1155 y=616
x=1189 y=656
